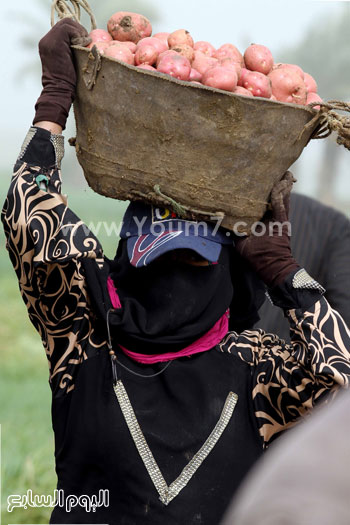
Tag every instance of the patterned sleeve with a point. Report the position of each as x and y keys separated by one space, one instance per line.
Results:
x=46 y=242
x=288 y=379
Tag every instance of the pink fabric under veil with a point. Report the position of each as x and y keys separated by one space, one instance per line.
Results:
x=113 y=295
x=203 y=344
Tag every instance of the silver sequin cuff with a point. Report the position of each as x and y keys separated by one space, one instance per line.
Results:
x=302 y=280
x=58 y=145
x=28 y=139
x=56 y=140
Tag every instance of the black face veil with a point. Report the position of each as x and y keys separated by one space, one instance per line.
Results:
x=167 y=305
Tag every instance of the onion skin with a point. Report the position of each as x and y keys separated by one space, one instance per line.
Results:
x=147 y=67
x=203 y=62
x=229 y=50
x=163 y=37
x=195 y=75
x=242 y=91
x=293 y=67
x=220 y=78
x=120 y=53
x=310 y=83
x=151 y=40
x=244 y=72
x=258 y=58
x=205 y=47
x=288 y=86
x=185 y=51
x=313 y=97
x=179 y=37
x=231 y=62
x=169 y=52
x=125 y=25
x=129 y=45
x=176 y=66
x=101 y=46
x=100 y=35
x=146 y=54
x=258 y=83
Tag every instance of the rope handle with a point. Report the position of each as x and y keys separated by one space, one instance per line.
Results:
x=329 y=120
x=178 y=208
x=64 y=10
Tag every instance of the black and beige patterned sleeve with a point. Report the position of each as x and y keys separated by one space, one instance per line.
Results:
x=46 y=242
x=288 y=379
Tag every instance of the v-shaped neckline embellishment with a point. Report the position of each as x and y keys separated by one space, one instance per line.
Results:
x=168 y=493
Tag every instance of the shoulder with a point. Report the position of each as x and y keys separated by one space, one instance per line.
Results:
x=301 y=204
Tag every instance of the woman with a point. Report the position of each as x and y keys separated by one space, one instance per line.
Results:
x=155 y=400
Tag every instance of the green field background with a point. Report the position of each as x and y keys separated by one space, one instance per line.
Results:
x=27 y=437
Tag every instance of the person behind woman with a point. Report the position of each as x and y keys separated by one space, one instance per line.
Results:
x=321 y=244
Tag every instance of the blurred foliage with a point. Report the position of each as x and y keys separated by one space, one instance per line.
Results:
x=324 y=52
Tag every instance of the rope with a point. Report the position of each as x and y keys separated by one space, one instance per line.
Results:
x=64 y=10
x=331 y=121
x=178 y=208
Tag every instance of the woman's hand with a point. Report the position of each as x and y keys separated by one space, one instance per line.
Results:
x=58 y=77
x=269 y=253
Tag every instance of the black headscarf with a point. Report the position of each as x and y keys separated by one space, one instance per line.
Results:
x=249 y=294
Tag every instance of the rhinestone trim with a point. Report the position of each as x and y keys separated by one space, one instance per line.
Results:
x=58 y=144
x=166 y=494
x=268 y=296
x=303 y=280
x=27 y=140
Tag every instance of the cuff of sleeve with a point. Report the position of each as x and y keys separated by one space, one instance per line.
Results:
x=298 y=291
x=53 y=107
x=42 y=148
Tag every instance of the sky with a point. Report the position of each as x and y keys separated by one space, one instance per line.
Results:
x=277 y=24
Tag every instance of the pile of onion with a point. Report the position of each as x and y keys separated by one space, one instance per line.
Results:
x=253 y=74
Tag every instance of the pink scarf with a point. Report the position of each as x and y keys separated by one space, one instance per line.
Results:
x=203 y=344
